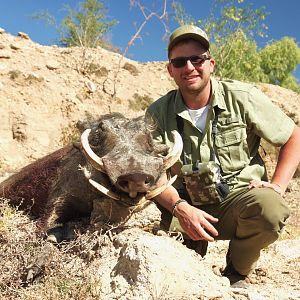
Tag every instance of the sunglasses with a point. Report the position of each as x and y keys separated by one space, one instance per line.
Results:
x=179 y=62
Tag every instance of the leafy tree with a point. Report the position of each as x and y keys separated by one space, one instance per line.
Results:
x=290 y=82
x=240 y=59
x=87 y=26
x=232 y=33
x=84 y=27
x=279 y=59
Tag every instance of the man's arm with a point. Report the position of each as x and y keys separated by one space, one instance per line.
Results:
x=288 y=161
x=196 y=223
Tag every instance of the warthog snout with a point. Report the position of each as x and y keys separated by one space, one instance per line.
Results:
x=139 y=182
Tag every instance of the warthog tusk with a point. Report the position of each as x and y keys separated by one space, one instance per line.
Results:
x=104 y=190
x=141 y=199
x=148 y=195
x=90 y=155
x=175 y=153
x=160 y=189
x=133 y=194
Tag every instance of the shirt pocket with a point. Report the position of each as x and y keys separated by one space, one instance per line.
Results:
x=231 y=146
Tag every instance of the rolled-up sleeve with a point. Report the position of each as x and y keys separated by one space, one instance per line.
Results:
x=267 y=119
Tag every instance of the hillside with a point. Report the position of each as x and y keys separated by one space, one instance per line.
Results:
x=46 y=90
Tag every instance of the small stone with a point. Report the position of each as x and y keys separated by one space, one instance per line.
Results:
x=19 y=131
x=23 y=35
x=15 y=46
x=4 y=54
x=91 y=86
x=2 y=46
x=34 y=77
x=2 y=30
x=52 y=65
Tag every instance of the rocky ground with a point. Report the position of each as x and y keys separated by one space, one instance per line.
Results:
x=44 y=91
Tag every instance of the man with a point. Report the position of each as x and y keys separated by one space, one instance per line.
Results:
x=222 y=191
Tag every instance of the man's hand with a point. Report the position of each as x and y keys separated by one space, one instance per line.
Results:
x=195 y=222
x=260 y=183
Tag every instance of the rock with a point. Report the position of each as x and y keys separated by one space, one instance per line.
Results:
x=52 y=65
x=19 y=129
x=15 y=46
x=34 y=77
x=2 y=30
x=23 y=35
x=289 y=249
x=144 y=266
x=2 y=46
x=91 y=86
x=5 y=54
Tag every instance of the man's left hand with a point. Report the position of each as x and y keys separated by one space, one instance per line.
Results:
x=260 y=183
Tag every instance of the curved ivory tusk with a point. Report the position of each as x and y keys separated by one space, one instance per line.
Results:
x=104 y=190
x=133 y=194
x=90 y=155
x=160 y=189
x=175 y=153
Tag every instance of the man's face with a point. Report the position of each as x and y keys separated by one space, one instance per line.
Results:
x=191 y=78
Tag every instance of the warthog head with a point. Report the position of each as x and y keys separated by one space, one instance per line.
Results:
x=124 y=150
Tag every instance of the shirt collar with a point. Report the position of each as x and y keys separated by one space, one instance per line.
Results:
x=218 y=93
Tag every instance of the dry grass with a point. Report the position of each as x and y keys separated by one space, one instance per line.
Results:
x=69 y=134
x=32 y=268
x=132 y=69
x=18 y=244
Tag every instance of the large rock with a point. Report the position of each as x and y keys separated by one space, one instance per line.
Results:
x=143 y=266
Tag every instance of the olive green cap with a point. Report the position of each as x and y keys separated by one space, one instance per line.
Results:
x=185 y=32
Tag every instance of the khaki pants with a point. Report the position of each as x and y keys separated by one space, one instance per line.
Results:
x=251 y=220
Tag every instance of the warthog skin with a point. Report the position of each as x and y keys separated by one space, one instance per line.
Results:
x=56 y=188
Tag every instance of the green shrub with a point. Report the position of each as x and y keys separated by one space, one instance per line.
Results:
x=139 y=102
x=69 y=134
x=131 y=69
x=278 y=60
x=14 y=74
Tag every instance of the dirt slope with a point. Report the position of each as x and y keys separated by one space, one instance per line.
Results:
x=45 y=90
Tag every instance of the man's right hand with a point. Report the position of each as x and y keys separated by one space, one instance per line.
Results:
x=196 y=223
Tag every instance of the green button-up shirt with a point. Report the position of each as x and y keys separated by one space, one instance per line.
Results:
x=245 y=116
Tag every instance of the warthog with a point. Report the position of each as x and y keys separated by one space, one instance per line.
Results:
x=116 y=158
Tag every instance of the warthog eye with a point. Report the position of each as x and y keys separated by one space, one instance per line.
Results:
x=145 y=141
x=161 y=149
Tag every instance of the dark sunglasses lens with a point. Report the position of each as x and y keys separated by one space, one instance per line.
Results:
x=197 y=60
x=179 y=62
